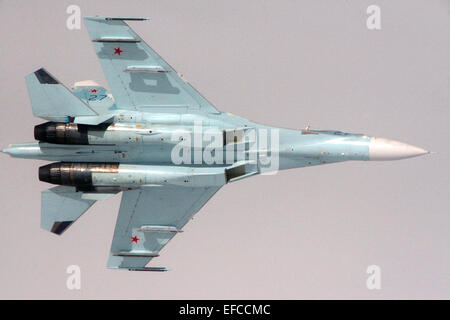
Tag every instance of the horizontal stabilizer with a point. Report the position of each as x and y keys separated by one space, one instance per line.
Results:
x=60 y=207
x=51 y=100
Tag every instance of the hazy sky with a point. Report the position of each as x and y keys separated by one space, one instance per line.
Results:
x=303 y=233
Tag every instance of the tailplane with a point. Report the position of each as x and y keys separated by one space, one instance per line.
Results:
x=62 y=206
x=52 y=101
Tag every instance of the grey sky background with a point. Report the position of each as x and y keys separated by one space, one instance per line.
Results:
x=303 y=233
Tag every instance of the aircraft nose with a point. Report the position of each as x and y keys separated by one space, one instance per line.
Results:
x=384 y=149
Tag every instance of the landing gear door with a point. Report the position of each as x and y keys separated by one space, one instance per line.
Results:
x=241 y=142
x=237 y=136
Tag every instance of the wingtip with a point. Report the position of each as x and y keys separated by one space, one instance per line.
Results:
x=117 y=18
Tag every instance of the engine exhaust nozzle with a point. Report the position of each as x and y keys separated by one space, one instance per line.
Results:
x=61 y=133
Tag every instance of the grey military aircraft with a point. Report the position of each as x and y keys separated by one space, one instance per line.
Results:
x=154 y=138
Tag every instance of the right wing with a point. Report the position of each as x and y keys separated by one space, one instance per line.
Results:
x=148 y=218
x=137 y=76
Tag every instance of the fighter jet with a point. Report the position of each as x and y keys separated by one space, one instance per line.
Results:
x=154 y=138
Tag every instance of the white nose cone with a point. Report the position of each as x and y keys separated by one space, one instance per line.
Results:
x=384 y=149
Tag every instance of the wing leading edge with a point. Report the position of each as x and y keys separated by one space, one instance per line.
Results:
x=148 y=218
x=137 y=76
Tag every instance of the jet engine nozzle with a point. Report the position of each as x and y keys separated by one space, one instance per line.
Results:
x=61 y=133
x=49 y=174
x=74 y=174
x=41 y=131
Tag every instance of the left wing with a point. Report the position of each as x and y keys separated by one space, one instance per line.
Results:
x=137 y=76
x=148 y=218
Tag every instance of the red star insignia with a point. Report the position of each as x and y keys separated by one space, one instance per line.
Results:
x=117 y=51
x=135 y=239
x=94 y=90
